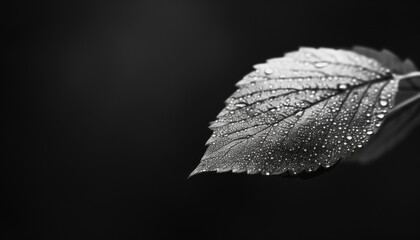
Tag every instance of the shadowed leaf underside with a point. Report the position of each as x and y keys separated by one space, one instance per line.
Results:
x=308 y=109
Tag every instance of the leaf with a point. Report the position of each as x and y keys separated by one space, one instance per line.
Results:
x=308 y=109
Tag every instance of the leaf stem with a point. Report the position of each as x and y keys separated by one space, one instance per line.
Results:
x=405 y=103
x=411 y=99
x=409 y=75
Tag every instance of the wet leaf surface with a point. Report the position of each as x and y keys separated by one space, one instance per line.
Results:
x=394 y=129
x=308 y=109
x=398 y=124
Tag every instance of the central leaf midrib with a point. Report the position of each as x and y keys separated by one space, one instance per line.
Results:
x=372 y=82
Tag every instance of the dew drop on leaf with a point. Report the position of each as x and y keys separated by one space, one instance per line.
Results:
x=383 y=102
x=343 y=86
x=380 y=115
x=321 y=64
x=268 y=71
x=240 y=104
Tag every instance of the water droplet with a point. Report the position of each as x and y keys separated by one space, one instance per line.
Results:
x=349 y=137
x=321 y=64
x=369 y=132
x=343 y=86
x=380 y=115
x=359 y=145
x=383 y=102
x=240 y=104
x=268 y=71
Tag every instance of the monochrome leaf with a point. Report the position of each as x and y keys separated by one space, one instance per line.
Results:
x=310 y=108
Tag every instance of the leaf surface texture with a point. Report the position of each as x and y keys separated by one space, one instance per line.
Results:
x=296 y=113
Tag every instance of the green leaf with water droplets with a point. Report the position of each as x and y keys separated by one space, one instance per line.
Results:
x=306 y=110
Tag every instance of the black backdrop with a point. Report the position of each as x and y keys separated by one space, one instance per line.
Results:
x=106 y=107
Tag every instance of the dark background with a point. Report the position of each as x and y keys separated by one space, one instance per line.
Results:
x=106 y=107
